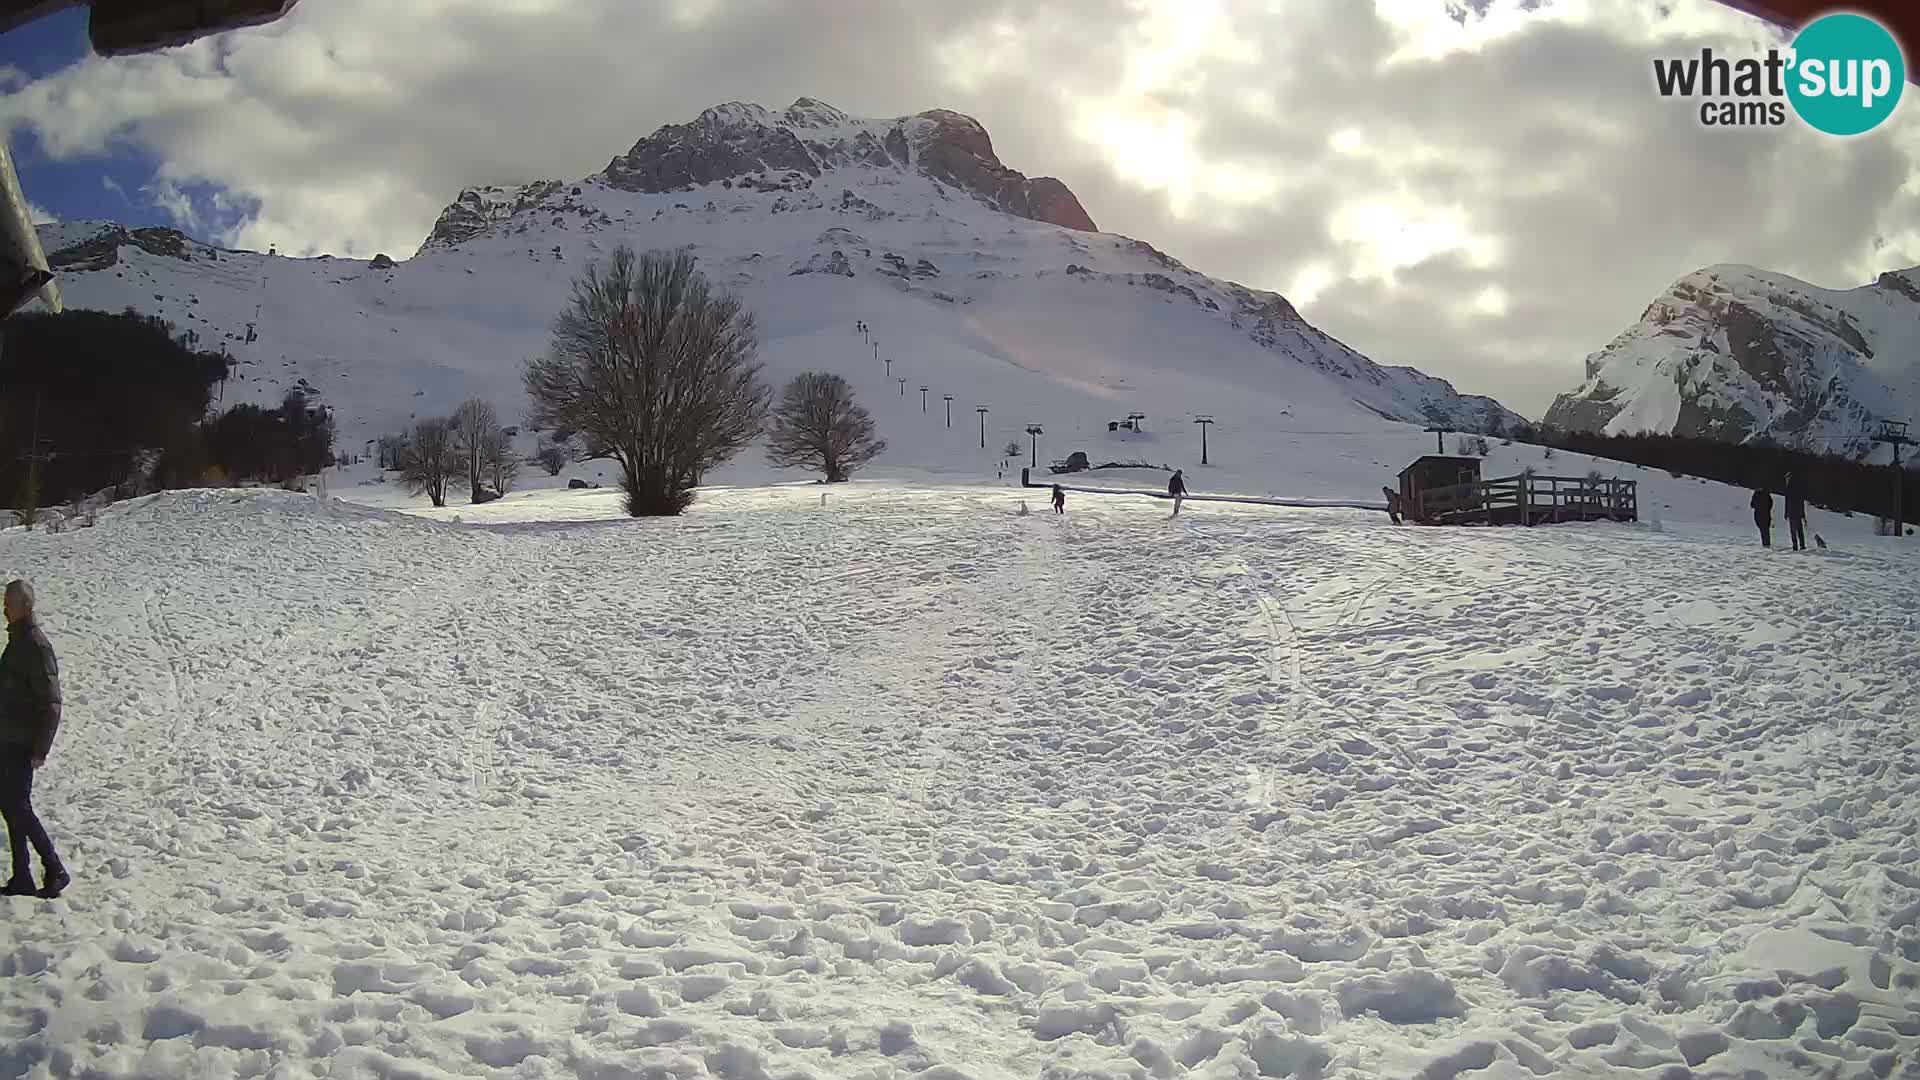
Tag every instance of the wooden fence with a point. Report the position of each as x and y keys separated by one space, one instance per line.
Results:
x=1528 y=500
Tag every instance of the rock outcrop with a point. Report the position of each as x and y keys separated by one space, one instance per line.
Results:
x=476 y=210
x=102 y=249
x=740 y=144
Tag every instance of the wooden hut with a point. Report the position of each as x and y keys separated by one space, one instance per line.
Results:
x=1438 y=485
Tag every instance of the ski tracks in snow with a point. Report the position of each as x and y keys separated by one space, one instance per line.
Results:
x=909 y=785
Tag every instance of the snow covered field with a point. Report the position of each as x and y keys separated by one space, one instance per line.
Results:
x=907 y=784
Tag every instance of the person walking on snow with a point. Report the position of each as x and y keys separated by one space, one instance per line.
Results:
x=1177 y=487
x=29 y=717
x=1796 y=498
x=1059 y=499
x=1762 y=503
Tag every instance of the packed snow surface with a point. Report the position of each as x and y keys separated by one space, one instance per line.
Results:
x=903 y=783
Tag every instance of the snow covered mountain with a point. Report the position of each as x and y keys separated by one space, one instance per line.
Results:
x=977 y=280
x=1735 y=353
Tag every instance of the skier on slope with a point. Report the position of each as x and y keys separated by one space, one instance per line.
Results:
x=1796 y=498
x=1762 y=503
x=1059 y=499
x=1177 y=487
x=29 y=717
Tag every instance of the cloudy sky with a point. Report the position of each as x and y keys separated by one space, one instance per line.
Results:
x=1485 y=189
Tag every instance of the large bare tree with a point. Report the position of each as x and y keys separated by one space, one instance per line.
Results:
x=429 y=459
x=475 y=426
x=654 y=368
x=817 y=425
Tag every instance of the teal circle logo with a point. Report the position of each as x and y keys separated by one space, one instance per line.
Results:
x=1847 y=74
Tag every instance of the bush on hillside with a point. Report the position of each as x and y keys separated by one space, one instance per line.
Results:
x=272 y=446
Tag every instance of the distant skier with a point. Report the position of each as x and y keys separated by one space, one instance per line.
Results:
x=1762 y=503
x=29 y=717
x=1177 y=487
x=1796 y=497
x=1059 y=499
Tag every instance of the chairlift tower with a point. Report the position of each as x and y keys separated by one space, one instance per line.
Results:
x=948 y=398
x=1894 y=433
x=1034 y=432
x=923 y=399
x=1204 y=422
x=1440 y=438
x=903 y=385
x=982 y=410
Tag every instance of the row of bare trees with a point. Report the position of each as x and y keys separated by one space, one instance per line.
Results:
x=652 y=367
x=469 y=444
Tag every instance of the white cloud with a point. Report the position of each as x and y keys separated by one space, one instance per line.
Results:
x=11 y=76
x=1489 y=197
x=39 y=216
x=168 y=196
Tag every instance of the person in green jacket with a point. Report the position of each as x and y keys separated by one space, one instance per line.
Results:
x=29 y=717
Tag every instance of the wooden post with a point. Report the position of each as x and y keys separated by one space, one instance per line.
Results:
x=1526 y=514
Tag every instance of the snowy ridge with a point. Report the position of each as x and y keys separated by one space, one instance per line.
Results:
x=1731 y=352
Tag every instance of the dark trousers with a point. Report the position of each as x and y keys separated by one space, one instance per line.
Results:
x=16 y=806
x=1765 y=523
x=1798 y=528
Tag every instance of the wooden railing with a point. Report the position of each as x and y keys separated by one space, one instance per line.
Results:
x=1531 y=499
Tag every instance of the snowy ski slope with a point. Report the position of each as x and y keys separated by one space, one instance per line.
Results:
x=1041 y=324
x=890 y=780
x=909 y=785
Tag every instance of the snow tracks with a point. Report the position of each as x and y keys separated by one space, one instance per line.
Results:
x=911 y=786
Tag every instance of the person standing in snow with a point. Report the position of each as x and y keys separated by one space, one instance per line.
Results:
x=1059 y=499
x=1796 y=499
x=1762 y=503
x=1177 y=487
x=29 y=717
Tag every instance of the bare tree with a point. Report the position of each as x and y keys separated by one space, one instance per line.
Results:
x=475 y=426
x=501 y=461
x=553 y=457
x=817 y=425
x=390 y=449
x=1011 y=450
x=653 y=368
x=429 y=459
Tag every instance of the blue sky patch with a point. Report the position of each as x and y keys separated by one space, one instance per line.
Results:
x=121 y=185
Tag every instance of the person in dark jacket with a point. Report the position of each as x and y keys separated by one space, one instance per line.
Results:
x=1177 y=487
x=1762 y=503
x=1796 y=498
x=1059 y=499
x=29 y=717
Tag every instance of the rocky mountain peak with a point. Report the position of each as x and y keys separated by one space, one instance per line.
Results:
x=813 y=113
x=1736 y=353
x=740 y=142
